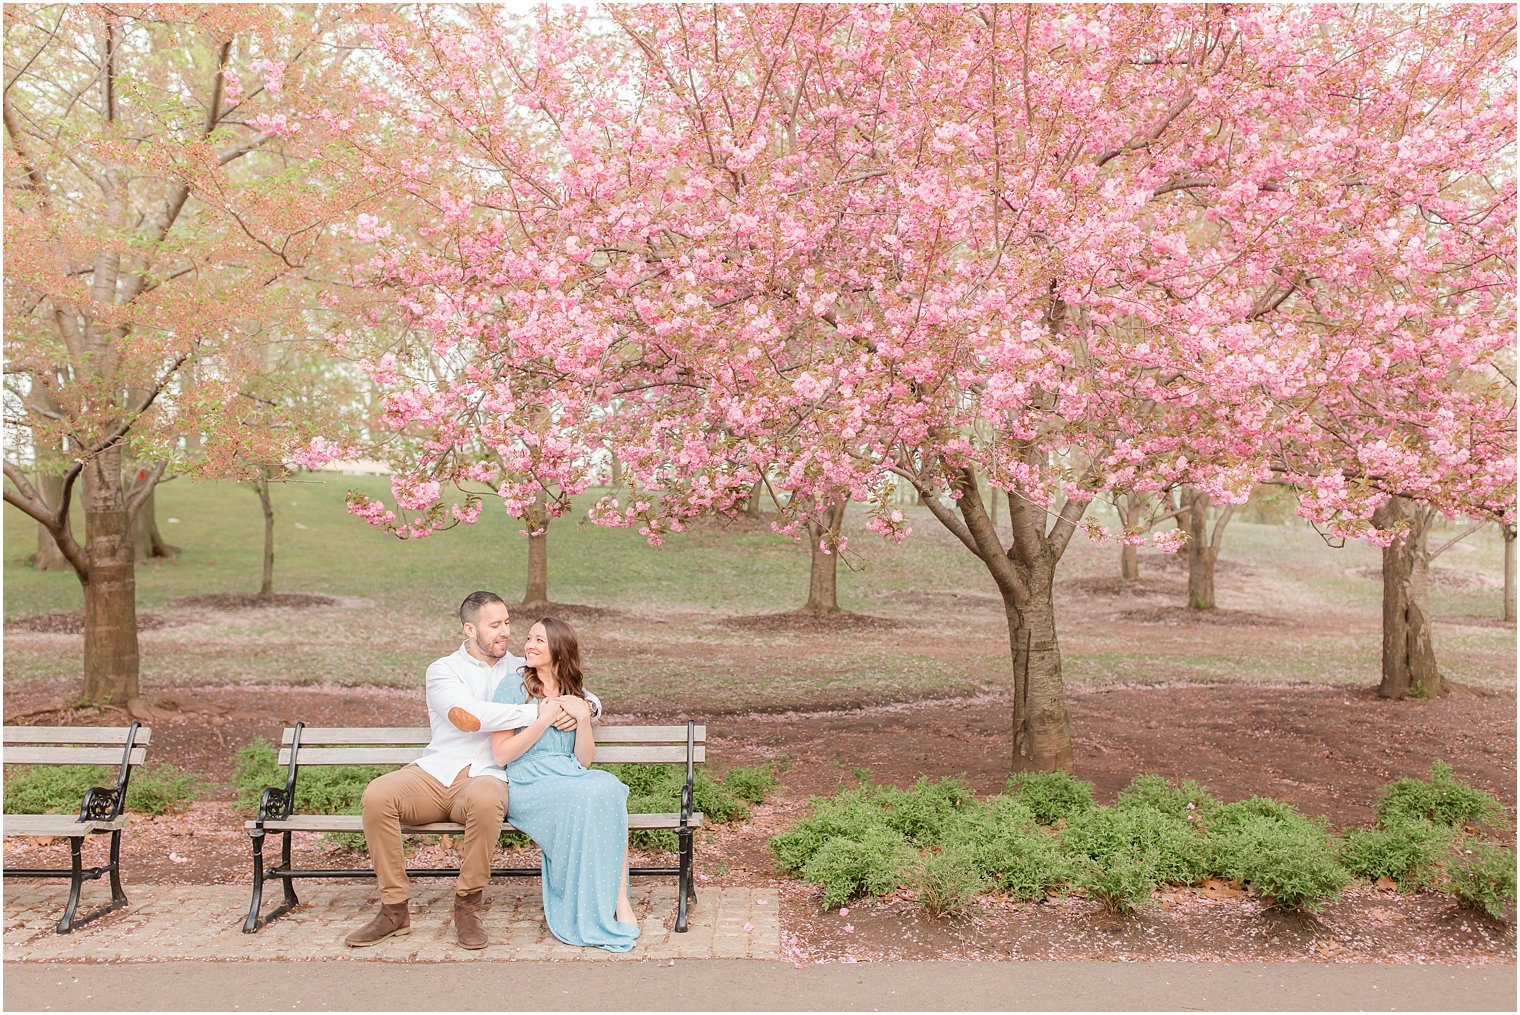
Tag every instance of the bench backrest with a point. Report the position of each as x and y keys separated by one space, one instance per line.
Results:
x=76 y=745
x=331 y=745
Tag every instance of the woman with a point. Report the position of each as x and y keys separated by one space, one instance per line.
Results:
x=579 y=818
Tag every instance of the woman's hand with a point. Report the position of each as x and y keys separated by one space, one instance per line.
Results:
x=576 y=706
x=551 y=711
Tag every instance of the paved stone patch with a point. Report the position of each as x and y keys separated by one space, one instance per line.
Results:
x=171 y=922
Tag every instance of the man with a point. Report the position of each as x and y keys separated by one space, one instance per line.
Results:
x=455 y=778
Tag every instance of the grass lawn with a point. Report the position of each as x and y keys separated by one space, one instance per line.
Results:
x=1301 y=611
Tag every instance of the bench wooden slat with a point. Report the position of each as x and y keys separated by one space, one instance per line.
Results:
x=320 y=735
x=616 y=753
x=57 y=825
x=76 y=735
x=648 y=734
x=354 y=823
x=612 y=753
x=352 y=755
x=71 y=755
x=395 y=735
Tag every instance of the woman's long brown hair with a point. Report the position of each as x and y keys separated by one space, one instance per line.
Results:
x=564 y=656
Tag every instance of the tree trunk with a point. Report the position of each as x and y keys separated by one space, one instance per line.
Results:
x=823 y=596
x=538 y=551
x=48 y=556
x=1128 y=507
x=1409 y=659
x=1041 y=726
x=110 y=591
x=261 y=487
x=1129 y=563
x=752 y=506
x=1509 y=571
x=615 y=476
x=1202 y=553
x=147 y=542
x=1184 y=516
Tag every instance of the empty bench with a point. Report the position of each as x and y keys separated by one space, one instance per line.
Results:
x=101 y=812
x=306 y=747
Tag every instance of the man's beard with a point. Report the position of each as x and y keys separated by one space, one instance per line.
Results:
x=487 y=651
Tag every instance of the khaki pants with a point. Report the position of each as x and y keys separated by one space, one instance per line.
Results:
x=409 y=796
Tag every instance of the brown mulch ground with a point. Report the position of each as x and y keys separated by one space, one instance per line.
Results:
x=800 y=620
x=73 y=623
x=235 y=601
x=1328 y=750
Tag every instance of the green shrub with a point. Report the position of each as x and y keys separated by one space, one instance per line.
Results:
x=847 y=814
x=656 y=789
x=1189 y=802
x=1227 y=817
x=1010 y=850
x=1168 y=848
x=922 y=812
x=320 y=789
x=1441 y=799
x=1484 y=879
x=1121 y=882
x=161 y=789
x=1051 y=796
x=1409 y=852
x=948 y=881
x=1278 y=852
x=60 y=789
x=849 y=868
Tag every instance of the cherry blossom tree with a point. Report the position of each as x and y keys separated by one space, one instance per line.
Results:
x=1048 y=252
x=159 y=195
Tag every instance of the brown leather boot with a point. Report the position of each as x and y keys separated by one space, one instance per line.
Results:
x=468 y=929
x=393 y=920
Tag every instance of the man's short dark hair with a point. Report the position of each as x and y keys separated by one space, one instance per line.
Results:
x=469 y=610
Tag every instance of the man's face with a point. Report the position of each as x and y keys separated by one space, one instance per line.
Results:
x=490 y=631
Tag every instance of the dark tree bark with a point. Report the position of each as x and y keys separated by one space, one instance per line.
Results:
x=48 y=455
x=1203 y=547
x=261 y=487
x=1024 y=574
x=110 y=586
x=1129 y=507
x=537 y=590
x=147 y=542
x=1509 y=571
x=1178 y=502
x=823 y=598
x=752 y=505
x=49 y=557
x=1409 y=658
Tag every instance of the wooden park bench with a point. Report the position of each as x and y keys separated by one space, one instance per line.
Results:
x=101 y=811
x=304 y=747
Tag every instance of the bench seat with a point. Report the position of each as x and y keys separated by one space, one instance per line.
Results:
x=303 y=747
x=354 y=823
x=58 y=826
x=102 y=809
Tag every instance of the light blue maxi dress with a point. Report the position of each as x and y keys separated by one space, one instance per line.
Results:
x=579 y=818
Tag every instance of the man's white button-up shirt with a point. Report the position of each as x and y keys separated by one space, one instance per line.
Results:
x=464 y=682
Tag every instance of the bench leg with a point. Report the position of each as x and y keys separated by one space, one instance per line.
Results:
x=251 y=924
x=118 y=897
x=686 y=888
x=76 y=881
x=290 y=890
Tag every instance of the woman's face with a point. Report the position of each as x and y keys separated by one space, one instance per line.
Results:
x=536 y=649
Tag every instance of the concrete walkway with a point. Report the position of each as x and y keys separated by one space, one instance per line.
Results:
x=740 y=985
x=169 y=922
x=179 y=948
